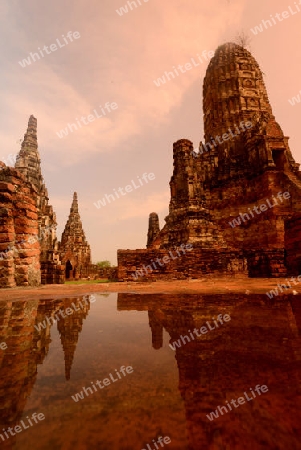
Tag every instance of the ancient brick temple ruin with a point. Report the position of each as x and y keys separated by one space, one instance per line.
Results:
x=29 y=249
x=244 y=163
x=75 y=251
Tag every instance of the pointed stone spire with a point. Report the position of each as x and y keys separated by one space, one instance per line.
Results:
x=30 y=137
x=70 y=328
x=74 y=206
x=29 y=164
x=157 y=330
x=28 y=160
x=74 y=246
x=153 y=228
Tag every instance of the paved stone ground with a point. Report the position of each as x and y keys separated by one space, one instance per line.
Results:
x=200 y=286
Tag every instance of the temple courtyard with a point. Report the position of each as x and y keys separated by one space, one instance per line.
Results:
x=208 y=285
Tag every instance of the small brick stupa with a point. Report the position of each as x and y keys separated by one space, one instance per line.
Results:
x=153 y=228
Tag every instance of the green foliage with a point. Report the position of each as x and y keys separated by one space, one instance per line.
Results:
x=103 y=264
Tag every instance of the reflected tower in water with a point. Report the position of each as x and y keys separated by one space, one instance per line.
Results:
x=260 y=345
x=27 y=332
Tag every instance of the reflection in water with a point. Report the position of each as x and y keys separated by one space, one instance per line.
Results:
x=27 y=348
x=260 y=345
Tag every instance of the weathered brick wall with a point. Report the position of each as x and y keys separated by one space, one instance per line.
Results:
x=264 y=230
x=293 y=245
x=108 y=272
x=19 y=245
x=95 y=272
x=266 y=263
x=192 y=264
x=52 y=273
x=261 y=238
x=265 y=236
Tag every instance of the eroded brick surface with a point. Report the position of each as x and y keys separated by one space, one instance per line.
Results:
x=19 y=262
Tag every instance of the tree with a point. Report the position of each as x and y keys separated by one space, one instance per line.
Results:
x=103 y=264
x=242 y=39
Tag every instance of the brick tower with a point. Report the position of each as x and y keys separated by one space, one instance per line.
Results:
x=244 y=162
x=29 y=164
x=75 y=251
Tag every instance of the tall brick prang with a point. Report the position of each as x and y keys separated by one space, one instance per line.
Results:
x=243 y=164
x=75 y=251
x=29 y=164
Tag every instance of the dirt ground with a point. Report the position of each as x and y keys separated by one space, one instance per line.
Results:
x=200 y=286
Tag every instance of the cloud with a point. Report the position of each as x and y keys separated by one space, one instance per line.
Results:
x=129 y=207
x=116 y=59
x=133 y=208
x=76 y=79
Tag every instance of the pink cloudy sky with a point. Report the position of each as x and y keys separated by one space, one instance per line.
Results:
x=116 y=59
